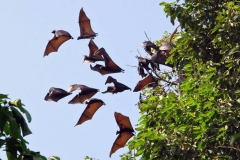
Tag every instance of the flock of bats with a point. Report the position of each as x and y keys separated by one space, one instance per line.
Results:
x=84 y=97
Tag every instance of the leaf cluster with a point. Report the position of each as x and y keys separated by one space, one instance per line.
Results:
x=200 y=119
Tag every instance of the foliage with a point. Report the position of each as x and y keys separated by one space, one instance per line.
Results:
x=13 y=127
x=200 y=119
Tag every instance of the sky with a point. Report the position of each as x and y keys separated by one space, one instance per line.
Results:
x=26 y=28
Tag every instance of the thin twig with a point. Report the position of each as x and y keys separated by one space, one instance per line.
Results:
x=160 y=78
x=139 y=53
x=147 y=36
x=132 y=66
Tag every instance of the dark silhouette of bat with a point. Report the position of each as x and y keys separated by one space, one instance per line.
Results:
x=147 y=81
x=91 y=58
x=92 y=106
x=110 y=66
x=60 y=36
x=160 y=57
x=125 y=132
x=85 y=26
x=144 y=63
x=85 y=94
x=118 y=87
x=55 y=94
x=141 y=70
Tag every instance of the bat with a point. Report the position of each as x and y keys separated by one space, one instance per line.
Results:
x=110 y=66
x=55 y=94
x=85 y=94
x=160 y=57
x=85 y=26
x=144 y=62
x=148 y=45
x=92 y=106
x=149 y=80
x=118 y=87
x=91 y=58
x=124 y=133
x=60 y=36
x=141 y=70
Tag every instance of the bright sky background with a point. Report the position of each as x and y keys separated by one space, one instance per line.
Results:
x=26 y=27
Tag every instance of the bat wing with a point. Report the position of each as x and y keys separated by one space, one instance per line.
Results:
x=55 y=94
x=108 y=61
x=78 y=87
x=110 y=79
x=160 y=58
x=165 y=46
x=141 y=84
x=120 y=141
x=141 y=70
x=54 y=44
x=110 y=89
x=85 y=26
x=121 y=87
x=101 y=71
x=92 y=107
x=123 y=122
x=83 y=96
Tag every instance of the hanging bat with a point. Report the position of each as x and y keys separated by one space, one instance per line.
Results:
x=60 y=36
x=160 y=57
x=149 y=80
x=92 y=106
x=55 y=94
x=125 y=132
x=141 y=70
x=85 y=94
x=148 y=45
x=85 y=26
x=91 y=58
x=110 y=66
x=118 y=87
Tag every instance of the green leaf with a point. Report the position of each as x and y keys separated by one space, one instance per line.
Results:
x=234 y=138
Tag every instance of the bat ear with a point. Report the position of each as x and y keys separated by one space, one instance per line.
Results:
x=53 y=31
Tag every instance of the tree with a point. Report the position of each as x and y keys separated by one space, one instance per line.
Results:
x=13 y=127
x=200 y=118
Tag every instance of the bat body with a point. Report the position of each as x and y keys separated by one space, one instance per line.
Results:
x=110 y=66
x=92 y=106
x=160 y=57
x=149 y=80
x=85 y=26
x=141 y=70
x=125 y=132
x=91 y=58
x=60 y=36
x=85 y=94
x=118 y=87
x=55 y=94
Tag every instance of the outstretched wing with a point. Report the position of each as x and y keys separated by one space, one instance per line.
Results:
x=85 y=26
x=120 y=141
x=141 y=84
x=93 y=105
x=110 y=89
x=78 y=87
x=110 y=79
x=83 y=96
x=54 y=44
x=97 y=69
x=123 y=122
x=108 y=61
x=55 y=94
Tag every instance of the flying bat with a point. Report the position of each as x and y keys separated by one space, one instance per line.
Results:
x=147 y=81
x=60 y=36
x=92 y=106
x=118 y=87
x=91 y=58
x=110 y=66
x=125 y=132
x=85 y=26
x=55 y=94
x=85 y=94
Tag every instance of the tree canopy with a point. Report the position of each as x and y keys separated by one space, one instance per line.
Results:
x=199 y=118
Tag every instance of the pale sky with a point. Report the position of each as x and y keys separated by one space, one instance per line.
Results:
x=26 y=29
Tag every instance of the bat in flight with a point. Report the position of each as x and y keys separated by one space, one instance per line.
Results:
x=147 y=81
x=91 y=58
x=124 y=134
x=60 y=36
x=118 y=87
x=110 y=66
x=55 y=94
x=85 y=26
x=92 y=106
x=85 y=94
